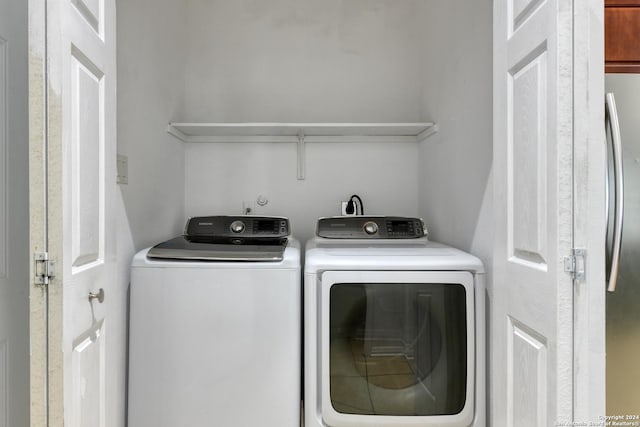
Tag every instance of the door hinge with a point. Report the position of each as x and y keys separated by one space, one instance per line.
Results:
x=44 y=269
x=576 y=264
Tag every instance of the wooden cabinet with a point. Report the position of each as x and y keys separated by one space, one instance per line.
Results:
x=622 y=36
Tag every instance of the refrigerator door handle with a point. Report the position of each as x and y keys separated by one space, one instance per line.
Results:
x=616 y=152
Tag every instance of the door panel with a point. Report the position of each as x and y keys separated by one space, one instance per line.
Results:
x=526 y=374
x=521 y=10
x=87 y=161
x=85 y=210
x=88 y=368
x=92 y=11
x=81 y=190
x=532 y=302
x=527 y=162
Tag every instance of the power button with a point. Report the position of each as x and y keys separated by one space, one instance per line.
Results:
x=370 y=227
x=237 y=226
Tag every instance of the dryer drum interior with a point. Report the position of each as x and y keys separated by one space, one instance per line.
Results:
x=398 y=348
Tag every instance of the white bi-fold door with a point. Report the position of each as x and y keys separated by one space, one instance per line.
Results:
x=76 y=159
x=546 y=347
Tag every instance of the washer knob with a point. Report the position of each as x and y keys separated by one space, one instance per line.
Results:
x=370 y=227
x=237 y=226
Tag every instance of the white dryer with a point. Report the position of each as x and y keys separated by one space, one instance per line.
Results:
x=394 y=327
x=215 y=335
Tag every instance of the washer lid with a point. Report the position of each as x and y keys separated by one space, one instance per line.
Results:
x=227 y=249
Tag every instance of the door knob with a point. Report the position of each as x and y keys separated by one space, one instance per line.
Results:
x=97 y=295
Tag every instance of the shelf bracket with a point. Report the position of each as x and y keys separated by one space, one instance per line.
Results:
x=431 y=130
x=301 y=155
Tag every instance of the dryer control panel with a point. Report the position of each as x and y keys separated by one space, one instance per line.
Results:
x=370 y=227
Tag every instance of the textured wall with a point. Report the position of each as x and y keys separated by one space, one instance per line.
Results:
x=219 y=177
x=309 y=60
x=151 y=53
x=455 y=164
x=303 y=61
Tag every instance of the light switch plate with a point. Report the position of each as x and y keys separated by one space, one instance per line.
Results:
x=123 y=169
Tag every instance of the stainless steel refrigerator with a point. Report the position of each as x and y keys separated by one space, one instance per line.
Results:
x=623 y=244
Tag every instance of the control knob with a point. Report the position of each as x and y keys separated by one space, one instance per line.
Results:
x=237 y=226
x=370 y=227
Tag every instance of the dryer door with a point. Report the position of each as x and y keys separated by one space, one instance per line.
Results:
x=397 y=348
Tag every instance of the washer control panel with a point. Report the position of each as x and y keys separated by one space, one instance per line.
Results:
x=370 y=227
x=244 y=226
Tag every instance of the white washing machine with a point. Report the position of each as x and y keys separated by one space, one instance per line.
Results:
x=215 y=335
x=394 y=327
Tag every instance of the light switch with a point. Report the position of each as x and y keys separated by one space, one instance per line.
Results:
x=123 y=169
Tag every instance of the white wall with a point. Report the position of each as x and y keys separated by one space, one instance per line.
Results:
x=309 y=60
x=219 y=177
x=360 y=60
x=304 y=61
x=151 y=43
x=151 y=40
x=455 y=164
x=455 y=189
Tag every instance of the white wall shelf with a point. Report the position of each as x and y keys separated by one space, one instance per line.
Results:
x=301 y=133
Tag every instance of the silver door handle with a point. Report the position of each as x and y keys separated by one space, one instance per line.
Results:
x=97 y=295
x=618 y=218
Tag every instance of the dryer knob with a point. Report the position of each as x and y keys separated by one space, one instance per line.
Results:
x=237 y=226
x=370 y=227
